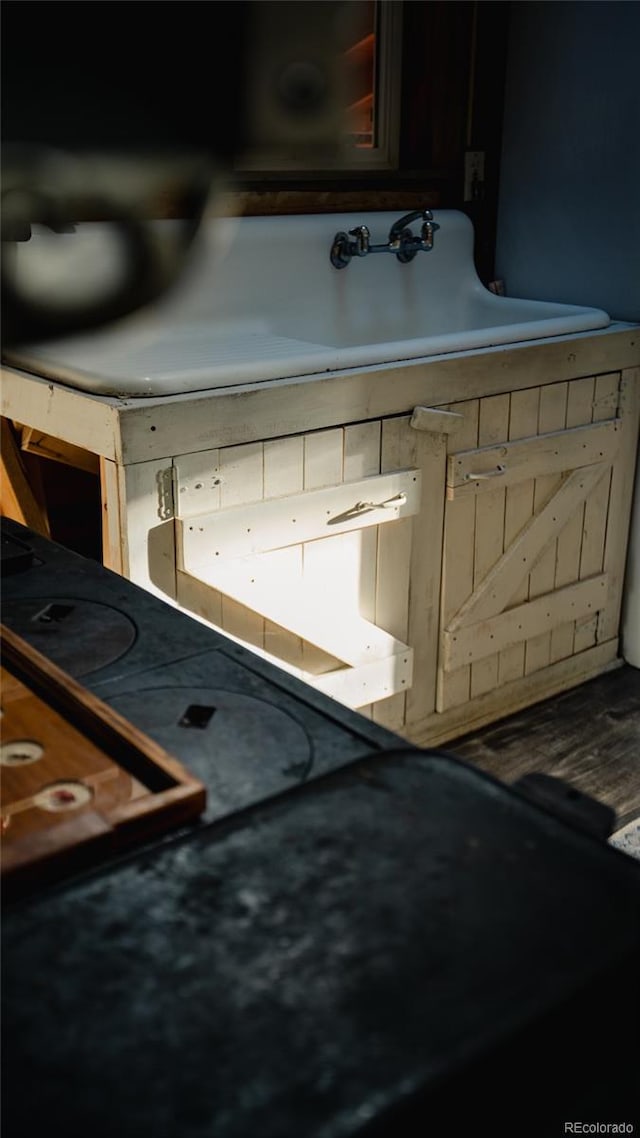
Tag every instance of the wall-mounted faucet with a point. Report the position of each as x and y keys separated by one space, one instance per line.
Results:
x=401 y=241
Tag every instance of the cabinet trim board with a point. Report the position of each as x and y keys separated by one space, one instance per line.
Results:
x=540 y=455
x=278 y=522
x=515 y=695
x=495 y=591
x=473 y=642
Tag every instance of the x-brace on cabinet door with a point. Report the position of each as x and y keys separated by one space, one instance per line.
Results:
x=538 y=500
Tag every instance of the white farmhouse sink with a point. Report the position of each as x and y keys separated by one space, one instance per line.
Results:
x=260 y=300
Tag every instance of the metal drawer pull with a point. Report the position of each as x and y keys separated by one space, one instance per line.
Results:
x=487 y=474
x=397 y=500
x=365 y=508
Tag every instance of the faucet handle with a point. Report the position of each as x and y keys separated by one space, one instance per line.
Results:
x=428 y=229
x=361 y=244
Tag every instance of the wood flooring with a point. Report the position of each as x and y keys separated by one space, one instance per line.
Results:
x=589 y=737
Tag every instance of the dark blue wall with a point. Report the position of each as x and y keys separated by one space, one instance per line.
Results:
x=569 y=206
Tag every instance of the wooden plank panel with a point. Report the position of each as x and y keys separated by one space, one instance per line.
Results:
x=200 y=599
x=605 y=406
x=283 y=474
x=522 y=692
x=198 y=483
x=323 y=459
x=281 y=407
x=147 y=526
x=393 y=566
x=361 y=457
x=622 y=487
x=18 y=499
x=112 y=537
x=476 y=641
x=311 y=516
x=70 y=416
x=429 y=454
x=241 y=475
x=323 y=466
x=197 y=487
x=551 y=417
x=529 y=549
x=585 y=634
x=45 y=446
x=523 y=422
x=544 y=454
x=435 y=420
x=457 y=559
x=356 y=686
x=313 y=615
x=580 y=396
x=606 y=396
x=489 y=534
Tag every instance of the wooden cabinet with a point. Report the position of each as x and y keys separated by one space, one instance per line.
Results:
x=428 y=569
x=437 y=544
x=304 y=547
x=539 y=486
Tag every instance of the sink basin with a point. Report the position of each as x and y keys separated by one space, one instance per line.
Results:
x=260 y=300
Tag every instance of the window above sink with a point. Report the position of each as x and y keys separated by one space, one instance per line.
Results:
x=323 y=86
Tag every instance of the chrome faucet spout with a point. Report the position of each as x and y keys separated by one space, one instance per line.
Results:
x=398 y=226
x=360 y=247
x=401 y=241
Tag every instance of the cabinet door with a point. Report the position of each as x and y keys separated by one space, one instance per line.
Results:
x=302 y=548
x=538 y=500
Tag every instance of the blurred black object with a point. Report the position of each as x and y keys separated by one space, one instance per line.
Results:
x=106 y=107
x=109 y=111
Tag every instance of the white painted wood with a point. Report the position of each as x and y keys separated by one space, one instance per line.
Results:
x=315 y=514
x=283 y=474
x=585 y=634
x=476 y=641
x=605 y=405
x=323 y=459
x=537 y=456
x=276 y=408
x=146 y=430
x=351 y=686
x=605 y=400
x=457 y=561
x=197 y=483
x=199 y=599
x=361 y=457
x=241 y=480
x=551 y=416
x=498 y=586
x=136 y=430
x=323 y=465
x=522 y=692
x=489 y=532
x=72 y=416
x=146 y=527
x=394 y=567
x=435 y=420
x=332 y=626
x=429 y=453
x=369 y=683
x=622 y=486
x=518 y=509
x=580 y=397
